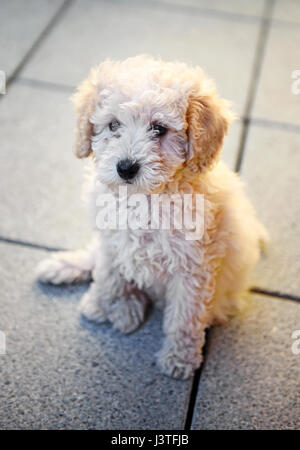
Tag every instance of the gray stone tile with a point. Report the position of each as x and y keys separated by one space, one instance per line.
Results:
x=271 y=171
x=275 y=99
x=61 y=372
x=91 y=32
x=40 y=178
x=20 y=25
x=287 y=10
x=250 y=379
x=232 y=6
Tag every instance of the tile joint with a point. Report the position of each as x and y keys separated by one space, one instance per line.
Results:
x=36 y=44
x=195 y=385
x=30 y=244
x=274 y=294
x=261 y=45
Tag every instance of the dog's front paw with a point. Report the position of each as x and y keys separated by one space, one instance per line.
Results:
x=175 y=364
x=128 y=313
x=91 y=309
x=51 y=271
x=62 y=268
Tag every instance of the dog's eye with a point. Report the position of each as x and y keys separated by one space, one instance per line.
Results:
x=159 y=130
x=114 y=125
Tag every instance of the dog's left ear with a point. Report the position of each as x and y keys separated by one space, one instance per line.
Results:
x=84 y=101
x=208 y=118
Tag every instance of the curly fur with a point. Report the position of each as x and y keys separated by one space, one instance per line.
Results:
x=197 y=282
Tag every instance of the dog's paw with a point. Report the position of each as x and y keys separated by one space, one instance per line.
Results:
x=128 y=313
x=175 y=365
x=91 y=309
x=62 y=268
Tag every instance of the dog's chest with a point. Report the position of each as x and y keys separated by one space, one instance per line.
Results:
x=148 y=257
x=145 y=255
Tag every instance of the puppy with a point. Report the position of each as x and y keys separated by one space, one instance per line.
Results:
x=157 y=127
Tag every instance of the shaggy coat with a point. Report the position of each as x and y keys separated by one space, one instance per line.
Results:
x=198 y=282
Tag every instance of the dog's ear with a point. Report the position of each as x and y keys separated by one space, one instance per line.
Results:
x=208 y=118
x=84 y=101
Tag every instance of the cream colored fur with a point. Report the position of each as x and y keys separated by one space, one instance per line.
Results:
x=197 y=282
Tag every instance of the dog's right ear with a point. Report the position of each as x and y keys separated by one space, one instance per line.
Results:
x=84 y=101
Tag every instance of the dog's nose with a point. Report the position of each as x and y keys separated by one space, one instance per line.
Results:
x=127 y=169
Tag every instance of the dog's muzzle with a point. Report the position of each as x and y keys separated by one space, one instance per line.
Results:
x=127 y=169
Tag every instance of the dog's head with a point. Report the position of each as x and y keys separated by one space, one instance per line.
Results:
x=144 y=120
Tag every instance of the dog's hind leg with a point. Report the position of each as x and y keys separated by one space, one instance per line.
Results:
x=68 y=266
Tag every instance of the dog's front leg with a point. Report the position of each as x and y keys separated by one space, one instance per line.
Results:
x=185 y=319
x=111 y=298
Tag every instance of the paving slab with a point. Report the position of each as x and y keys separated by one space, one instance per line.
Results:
x=250 y=379
x=21 y=23
x=40 y=178
x=278 y=91
x=255 y=7
x=287 y=10
x=91 y=31
x=62 y=372
x=271 y=171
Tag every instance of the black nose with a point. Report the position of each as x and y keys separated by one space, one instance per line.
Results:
x=127 y=169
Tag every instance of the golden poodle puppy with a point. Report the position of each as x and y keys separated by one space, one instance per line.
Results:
x=156 y=128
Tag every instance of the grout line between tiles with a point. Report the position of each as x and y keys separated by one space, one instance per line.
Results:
x=257 y=66
x=49 y=27
x=195 y=386
x=47 y=85
x=29 y=244
x=275 y=124
x=274 y=294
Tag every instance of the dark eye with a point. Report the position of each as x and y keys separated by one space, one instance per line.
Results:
x=159 y=130
x=114 y=125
